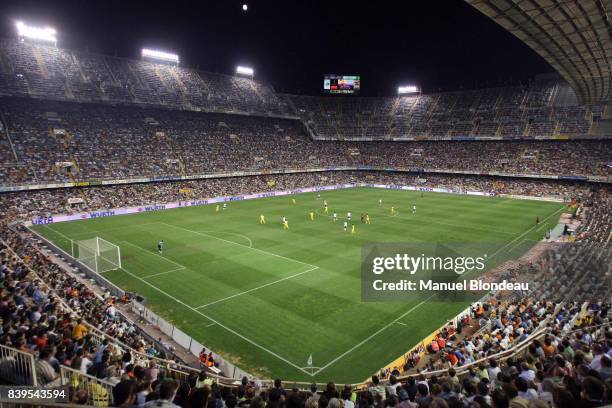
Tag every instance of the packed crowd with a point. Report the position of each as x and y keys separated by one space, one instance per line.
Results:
x=542 y=108
x=569 y=366
x=597 y=229
x=58 y=318
x=63 y=142
x=42 y=203
x=510 y=112
x=564 y=363
x=566 y=293
x=55 y=73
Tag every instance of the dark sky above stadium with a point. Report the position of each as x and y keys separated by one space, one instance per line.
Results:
x=437 y=44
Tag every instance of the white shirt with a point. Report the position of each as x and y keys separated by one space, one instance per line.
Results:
x=85 y=364
x=493 y=371
x=527 y=375
x=596 y=362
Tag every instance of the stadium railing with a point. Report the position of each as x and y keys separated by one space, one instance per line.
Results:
x=99 y=392
x=499 y=357
x=17 y=367
x=186 y=341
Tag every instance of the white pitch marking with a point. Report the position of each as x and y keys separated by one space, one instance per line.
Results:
x=236 y=243
x=231 y=233
x=153 y=253
x=217 y=322
x=57 y=232
x=105 y=230
x=372 y=335
x=182 y=268
x=524 y=233
x=258 y=287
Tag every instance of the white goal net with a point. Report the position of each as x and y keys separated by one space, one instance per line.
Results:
x=99 y=254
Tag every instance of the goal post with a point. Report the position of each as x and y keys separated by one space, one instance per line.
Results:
x=99 y=254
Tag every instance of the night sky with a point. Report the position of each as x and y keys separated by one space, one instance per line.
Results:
x=437 y=44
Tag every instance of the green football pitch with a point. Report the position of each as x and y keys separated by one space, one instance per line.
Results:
x=267 y=298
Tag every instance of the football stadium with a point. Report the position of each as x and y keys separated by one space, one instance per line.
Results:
x=332 y=221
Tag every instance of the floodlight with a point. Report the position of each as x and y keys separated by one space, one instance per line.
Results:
x=160 y=55
x=46 y=34
x=408 y=89
x=245 y=71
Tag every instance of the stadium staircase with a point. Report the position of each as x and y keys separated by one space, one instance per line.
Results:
x=180 y=82
x=7 y=134
x=256 y=90
x=172 y=147
x=557 y=130
x=527 y=129
x=603 y=126
x=40 y=61
x=563 y=95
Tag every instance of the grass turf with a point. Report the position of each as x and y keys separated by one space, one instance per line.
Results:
x=266 y=298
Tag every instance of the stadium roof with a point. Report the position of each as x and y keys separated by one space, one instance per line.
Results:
x=575 y=37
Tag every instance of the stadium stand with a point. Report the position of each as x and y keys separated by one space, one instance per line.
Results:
x=55 y=73
x=516 y=112
x=59 y=141
x=539 y=109
x=70 y=116
x=51 y=300
x=39 y=303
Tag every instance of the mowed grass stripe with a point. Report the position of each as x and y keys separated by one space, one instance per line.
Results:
x=319 y=312
x=212 y=277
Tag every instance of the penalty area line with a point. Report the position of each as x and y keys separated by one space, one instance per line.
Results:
x=238 y=244
x=154 y=254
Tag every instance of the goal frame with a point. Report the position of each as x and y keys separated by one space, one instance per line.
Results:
x=97 y=253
